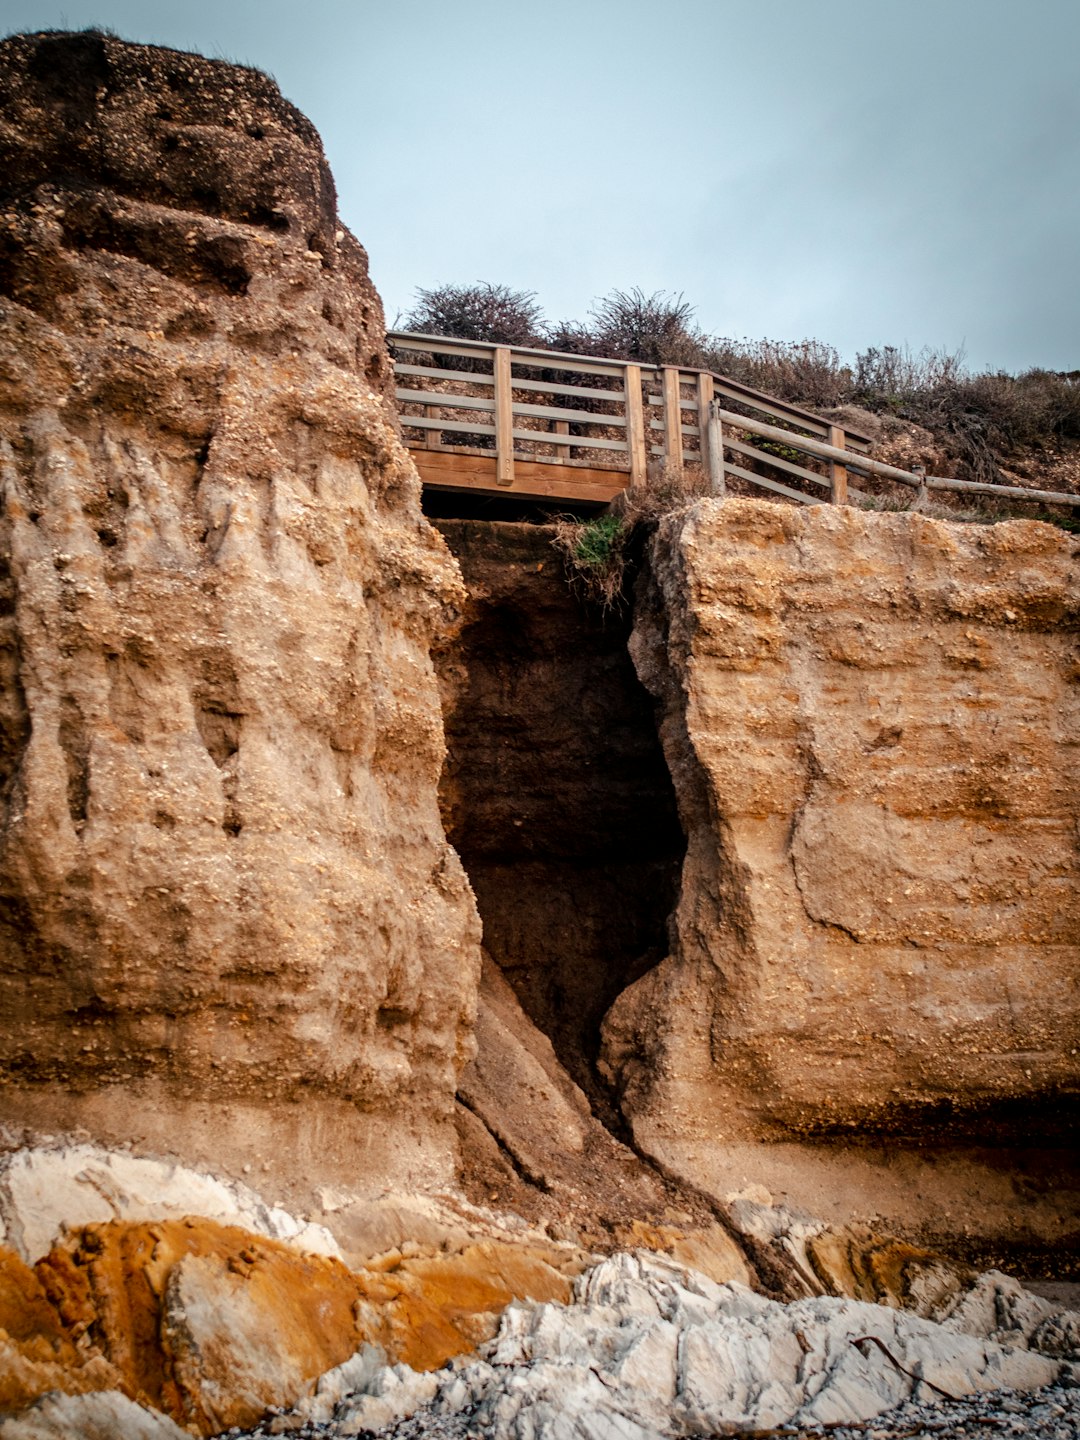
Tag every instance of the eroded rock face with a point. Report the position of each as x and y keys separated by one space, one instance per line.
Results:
x=226 y=888
x=873 y=726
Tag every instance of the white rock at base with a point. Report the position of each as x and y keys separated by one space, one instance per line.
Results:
x=649 y=1350
x=106 y=1415
x=46 y=1190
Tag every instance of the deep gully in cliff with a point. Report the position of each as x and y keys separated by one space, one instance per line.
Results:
x=555 y=792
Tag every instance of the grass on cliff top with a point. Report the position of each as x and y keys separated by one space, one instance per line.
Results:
x=600 y=554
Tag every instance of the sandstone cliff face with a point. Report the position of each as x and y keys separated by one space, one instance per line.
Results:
x=226 y=889
x=873 y=726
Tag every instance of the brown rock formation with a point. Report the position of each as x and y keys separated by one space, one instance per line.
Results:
x=225 y=884
x=872 y=724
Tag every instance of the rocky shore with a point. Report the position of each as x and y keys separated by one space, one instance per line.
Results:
x=1049 y=1414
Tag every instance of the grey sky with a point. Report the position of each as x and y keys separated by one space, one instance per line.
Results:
x=860 y=171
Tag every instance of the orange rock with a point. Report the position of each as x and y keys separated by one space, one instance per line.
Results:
x=204 y=1321
x=212 y=1324
x=37 y=1353
x=433 y=1307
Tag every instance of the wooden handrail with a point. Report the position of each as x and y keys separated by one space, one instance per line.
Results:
x=495 y=425
x=744 y=394
x=882 y=471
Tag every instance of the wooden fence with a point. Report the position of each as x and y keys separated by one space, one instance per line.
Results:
x=546 y=425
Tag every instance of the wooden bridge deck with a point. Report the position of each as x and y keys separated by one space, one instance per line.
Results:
x=541 y=425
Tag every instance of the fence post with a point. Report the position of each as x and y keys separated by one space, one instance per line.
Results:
x=717 y=483
x=562 y=452
x=635 y=425
x=504 y=418
x=838 y=472
x=704 y=401
x=923 y=496
x=672 y=418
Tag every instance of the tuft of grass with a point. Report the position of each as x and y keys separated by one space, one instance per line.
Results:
x=595 y=555
x=600 y=554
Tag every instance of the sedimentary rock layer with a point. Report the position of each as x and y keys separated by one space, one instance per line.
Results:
x=873 y=724
x=226 y=889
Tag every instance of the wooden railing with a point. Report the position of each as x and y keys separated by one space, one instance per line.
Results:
x=553 y=425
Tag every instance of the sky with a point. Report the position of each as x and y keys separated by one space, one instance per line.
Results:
x=863 y=172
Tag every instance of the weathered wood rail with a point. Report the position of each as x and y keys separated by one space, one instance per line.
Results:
x=543 y=425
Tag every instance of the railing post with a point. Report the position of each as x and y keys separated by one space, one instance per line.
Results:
x=562 y=452
x=504 y=418
x=922 y=498
x=432 y=438
x=838 y=472
x=711 y=461
x=635 y=425
x=672 y=418
x=714 y=425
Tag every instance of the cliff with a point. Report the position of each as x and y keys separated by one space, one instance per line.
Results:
x=777 y=875
x=872 y=726
x=231 y=926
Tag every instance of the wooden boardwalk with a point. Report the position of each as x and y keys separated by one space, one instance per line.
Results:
x=541 y=425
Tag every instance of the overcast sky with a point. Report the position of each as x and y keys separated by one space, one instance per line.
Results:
x=859 y=171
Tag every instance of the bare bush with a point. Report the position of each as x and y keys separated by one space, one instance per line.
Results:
x=652 y=329
x=804 y=372
x=494 y=314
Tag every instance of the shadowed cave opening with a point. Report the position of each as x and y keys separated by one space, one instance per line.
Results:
x=555 y=792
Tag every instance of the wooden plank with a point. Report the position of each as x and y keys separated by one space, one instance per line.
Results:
x=580 y=442
x=581 y=417
x=672 y=418
x=683 y=429
x=504 y=417
x=773 y=409
x=619 y=465
x=773 y=485
x=683 y=402
x=736 y=390
x=704 y=400
x=559 y=427
x=438 y=345
x=439 y=397
x=714 y=448
x=1007 y=492
x=462 y=427
x=532 y=479
x=777 y=462
x=837 y=472
x=862 y=463
x=584 y=392
x=522 y=354
x=429 y=372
